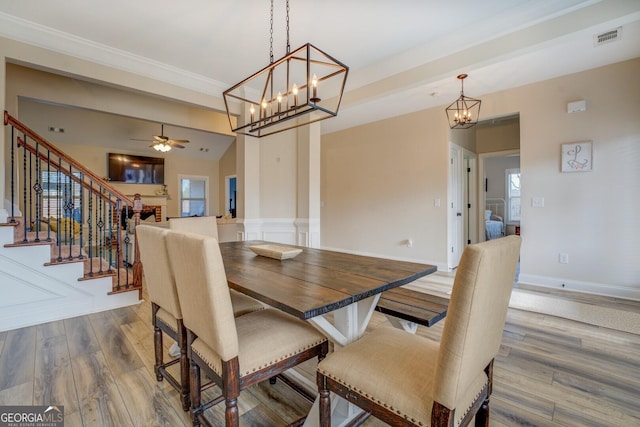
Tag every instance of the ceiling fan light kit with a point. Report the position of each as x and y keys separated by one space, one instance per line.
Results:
x=161 y=146
x=464 y=112
x=304 y=86
x=163 y=143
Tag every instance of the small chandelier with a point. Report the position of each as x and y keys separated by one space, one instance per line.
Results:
x=464 y=112
x=304 y=86
x=161 y=146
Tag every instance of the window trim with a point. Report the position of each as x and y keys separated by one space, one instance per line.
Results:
x=207 y=200
x=508 y=218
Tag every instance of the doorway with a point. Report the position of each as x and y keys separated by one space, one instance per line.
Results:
x=230 y=195
x=469 y=151
x=498 y=148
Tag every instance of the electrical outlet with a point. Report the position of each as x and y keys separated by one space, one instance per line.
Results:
x=563 y=258
x=409 y=243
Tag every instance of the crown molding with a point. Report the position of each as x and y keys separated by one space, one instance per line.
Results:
x=41 y=36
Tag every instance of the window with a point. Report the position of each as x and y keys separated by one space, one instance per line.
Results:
x=60 y=195
x=513 y=195
x=193 y=195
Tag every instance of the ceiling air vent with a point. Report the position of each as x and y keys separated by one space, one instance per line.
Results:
x=607 y=37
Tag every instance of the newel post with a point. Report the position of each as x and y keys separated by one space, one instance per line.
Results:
x=137 y=265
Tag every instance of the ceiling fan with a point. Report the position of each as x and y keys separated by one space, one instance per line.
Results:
x=164 y=143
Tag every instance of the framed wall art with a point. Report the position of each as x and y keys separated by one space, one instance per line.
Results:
x=577 y=157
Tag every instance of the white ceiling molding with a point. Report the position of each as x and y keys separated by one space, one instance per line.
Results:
x=24 y=31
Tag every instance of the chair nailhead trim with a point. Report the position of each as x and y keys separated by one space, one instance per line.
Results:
x=259 y=368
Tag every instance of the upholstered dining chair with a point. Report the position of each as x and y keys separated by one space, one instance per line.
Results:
x=207 y=225
x=235 y=353
x=408 y=380
x=166 y=315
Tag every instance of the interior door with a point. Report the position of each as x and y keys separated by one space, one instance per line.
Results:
x=455 y=215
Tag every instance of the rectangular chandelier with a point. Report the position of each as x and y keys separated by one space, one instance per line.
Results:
x=303 y=87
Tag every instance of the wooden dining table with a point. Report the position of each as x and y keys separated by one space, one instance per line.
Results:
x=316 y=283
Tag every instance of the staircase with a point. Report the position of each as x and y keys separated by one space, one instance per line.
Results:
x=63 y=237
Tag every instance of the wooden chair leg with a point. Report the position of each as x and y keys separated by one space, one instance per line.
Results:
x=184 y=371
x=231 y=391
x=482 y=416
x=194 y=385
x=325 y=408
x=157 y=346
x=231 y=417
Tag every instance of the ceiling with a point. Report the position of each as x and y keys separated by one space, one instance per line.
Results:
x=403 y=55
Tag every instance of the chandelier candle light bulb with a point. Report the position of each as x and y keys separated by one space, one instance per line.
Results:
x=295 y=95
x=314 y=86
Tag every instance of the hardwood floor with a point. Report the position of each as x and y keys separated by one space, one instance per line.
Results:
x=550 y=372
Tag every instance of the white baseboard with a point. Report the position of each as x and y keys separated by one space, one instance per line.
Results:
x=617 y=291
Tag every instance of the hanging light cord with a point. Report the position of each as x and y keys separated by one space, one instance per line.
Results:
x=271 y=33
x=288 y=44
x=271 y=36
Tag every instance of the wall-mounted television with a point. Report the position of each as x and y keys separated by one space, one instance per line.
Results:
x=135 y=169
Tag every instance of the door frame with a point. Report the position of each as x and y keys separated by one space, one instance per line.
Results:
x=471 y=197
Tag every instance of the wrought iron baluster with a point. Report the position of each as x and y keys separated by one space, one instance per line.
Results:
x=68 y=213
x=49 y=193
x=58 y=211
x=90 y=225
x=110 y=233
x=81 y=218
x=24 y=189
x=102 y=232
x=37 y=188
x=13 y=172
x=30 y=195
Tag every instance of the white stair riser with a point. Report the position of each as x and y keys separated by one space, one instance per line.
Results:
x=36 y=293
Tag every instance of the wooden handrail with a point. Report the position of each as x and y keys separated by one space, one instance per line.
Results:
x=8 y=119
x=66 y=164
x=41 y=156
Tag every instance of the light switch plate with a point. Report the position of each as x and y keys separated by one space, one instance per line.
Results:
x=537 y=202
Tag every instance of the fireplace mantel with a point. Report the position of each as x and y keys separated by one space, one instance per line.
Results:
x=159 y=202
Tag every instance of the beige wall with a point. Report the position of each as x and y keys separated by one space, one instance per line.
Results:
x=94 y=158
x=278 y=176
x=591 y=215
x=379 y=182
x=88 y=124
x=501 y=136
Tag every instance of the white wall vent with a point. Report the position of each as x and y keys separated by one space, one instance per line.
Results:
x=607 y=37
